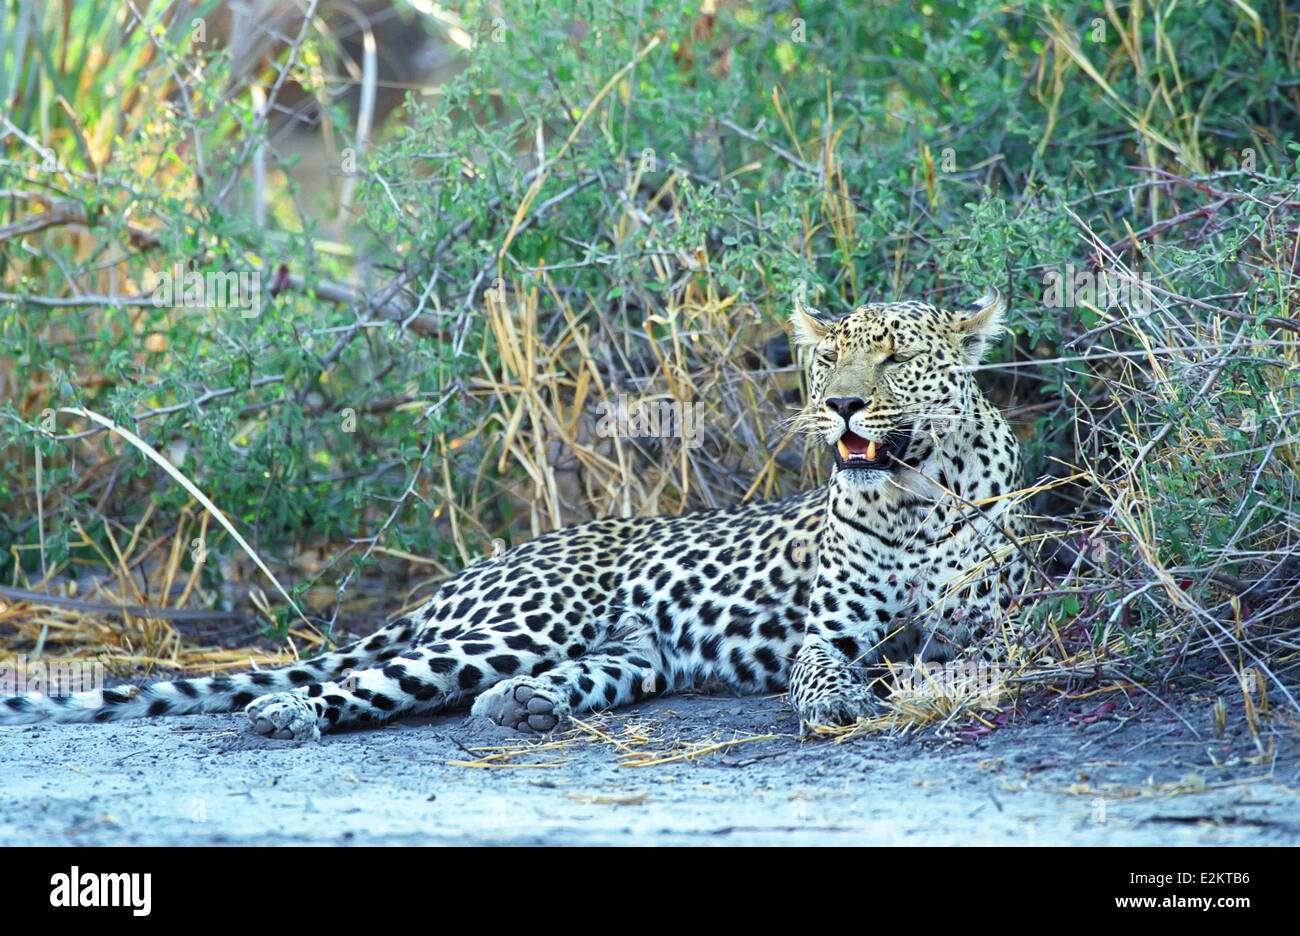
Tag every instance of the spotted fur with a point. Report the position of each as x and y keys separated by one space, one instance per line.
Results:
x=909 y=552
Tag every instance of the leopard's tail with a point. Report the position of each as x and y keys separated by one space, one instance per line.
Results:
x=206 y=694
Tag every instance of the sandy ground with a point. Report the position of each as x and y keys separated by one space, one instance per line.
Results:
x=1136 y=775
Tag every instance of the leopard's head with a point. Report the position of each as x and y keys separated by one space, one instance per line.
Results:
x=888 y=382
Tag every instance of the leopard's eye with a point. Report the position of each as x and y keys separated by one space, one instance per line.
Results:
x=828 y=356
x=901 y=358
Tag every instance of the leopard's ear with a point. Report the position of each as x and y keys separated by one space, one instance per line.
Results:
x=808 y=326
x=980 y=324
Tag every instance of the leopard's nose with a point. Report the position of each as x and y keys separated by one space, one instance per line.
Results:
x=845 y=406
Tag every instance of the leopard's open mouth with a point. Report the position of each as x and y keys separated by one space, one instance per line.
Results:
x=854 y=452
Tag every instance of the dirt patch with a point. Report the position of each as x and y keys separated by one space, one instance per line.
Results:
x=675 y=770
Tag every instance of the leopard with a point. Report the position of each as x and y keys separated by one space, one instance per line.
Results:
x=909 y=551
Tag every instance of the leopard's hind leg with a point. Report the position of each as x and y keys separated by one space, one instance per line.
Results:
x=417 y=681
x=616 y=675
x=525 y=687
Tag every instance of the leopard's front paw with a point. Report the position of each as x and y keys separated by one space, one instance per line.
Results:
x=841 y=706
x=826 y=688
x=525 y=704
x=285 y=715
